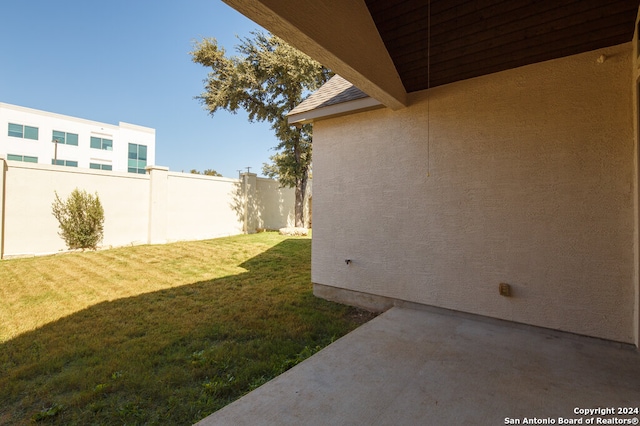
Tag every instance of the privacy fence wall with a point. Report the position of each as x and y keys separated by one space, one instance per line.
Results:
x=158 y=207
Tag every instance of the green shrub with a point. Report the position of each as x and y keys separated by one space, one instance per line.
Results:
x=81 y=219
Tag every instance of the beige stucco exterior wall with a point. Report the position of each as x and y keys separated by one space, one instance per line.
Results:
x=524 y=177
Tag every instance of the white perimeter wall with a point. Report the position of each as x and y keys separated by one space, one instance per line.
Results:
x=273 y=204
x=158 y=207
x=201 y=207
x=531 y=183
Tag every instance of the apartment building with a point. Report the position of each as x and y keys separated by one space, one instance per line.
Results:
x=36 y=136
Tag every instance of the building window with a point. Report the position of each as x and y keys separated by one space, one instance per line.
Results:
x=98 y=166
x=137 y=158
x=67 y=163
x=20 y=131
x=100 y=143
x=23 y=158
x=65 y=138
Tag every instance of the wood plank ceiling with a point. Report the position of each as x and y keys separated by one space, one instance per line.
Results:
x=470 y=38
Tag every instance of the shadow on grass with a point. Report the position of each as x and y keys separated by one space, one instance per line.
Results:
x=172 y=356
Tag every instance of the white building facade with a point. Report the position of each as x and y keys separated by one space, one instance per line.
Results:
x=36 y=136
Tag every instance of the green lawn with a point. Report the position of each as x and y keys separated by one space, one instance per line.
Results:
x=162 y=334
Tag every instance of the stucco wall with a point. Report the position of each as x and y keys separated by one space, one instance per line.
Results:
x=157 y=207
x=29 y=226
x=275 y=205
x=202 y=207
x=523 y=177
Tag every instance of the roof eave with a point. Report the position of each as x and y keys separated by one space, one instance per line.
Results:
x=332 y=111
x=317 y=29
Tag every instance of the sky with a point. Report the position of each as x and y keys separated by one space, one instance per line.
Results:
x=128 y=60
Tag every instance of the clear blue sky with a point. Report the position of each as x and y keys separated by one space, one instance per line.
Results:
x=128 y=60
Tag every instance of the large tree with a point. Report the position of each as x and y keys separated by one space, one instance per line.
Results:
x=207 y=172
x=267 y=79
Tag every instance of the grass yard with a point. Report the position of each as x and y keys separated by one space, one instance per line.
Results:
x=162 y=334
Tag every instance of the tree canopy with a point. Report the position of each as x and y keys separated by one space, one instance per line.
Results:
x=267 y=79
x=207 y=172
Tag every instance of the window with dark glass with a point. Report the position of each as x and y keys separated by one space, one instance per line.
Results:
x=101 y=143
x=25 y=132
x=65 y=138
x=137 y=161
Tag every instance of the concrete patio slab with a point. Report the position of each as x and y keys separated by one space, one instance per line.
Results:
x=434 y=367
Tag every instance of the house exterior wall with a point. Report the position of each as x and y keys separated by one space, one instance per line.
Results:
x=43 y=148
x=523 y=177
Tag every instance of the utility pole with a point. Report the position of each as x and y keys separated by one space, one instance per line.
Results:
x=245 y=202
x=55 y=151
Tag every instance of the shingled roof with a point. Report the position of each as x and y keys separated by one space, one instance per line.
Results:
x=335 y=92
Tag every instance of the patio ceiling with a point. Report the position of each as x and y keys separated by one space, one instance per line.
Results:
x=389 y=48
x=473 y=38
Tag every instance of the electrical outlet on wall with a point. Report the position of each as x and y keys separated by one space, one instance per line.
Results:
x=505 y=289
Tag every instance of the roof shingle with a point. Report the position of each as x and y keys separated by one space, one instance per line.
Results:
x=335 y=91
